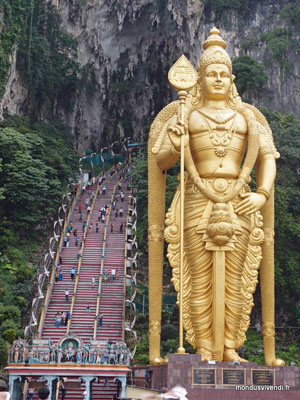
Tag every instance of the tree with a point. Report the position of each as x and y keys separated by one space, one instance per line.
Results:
x=30 y=203
x=250 y=76
x=37 y=162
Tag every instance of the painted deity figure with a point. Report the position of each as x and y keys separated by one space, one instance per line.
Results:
x=60 y=355
x=16 y=353
x=86 y=354
x=223 y=226
x=78 y=356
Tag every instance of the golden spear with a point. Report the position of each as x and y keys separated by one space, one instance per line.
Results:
x=182 y=77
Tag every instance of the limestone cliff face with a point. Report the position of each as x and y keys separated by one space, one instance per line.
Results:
x=128 y=46
x=16 y=92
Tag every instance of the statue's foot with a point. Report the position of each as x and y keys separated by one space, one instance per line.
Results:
x=157 y=361
x=276 y=362
x=231 y=355
x=206 y=355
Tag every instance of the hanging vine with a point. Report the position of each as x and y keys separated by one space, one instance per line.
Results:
x=46 y=59
x=13 y=14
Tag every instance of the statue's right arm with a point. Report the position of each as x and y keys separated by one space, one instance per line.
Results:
x=167 y=155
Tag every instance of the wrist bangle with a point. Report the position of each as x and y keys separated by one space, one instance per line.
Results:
x=264 y=192
x=175 y=152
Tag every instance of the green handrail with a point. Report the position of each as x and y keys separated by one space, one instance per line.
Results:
x=125 y=274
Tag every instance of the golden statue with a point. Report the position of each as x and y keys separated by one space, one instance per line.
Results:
x=226 y=231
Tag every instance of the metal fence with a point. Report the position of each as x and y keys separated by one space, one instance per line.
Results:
x=142 y=301
x=96 y=159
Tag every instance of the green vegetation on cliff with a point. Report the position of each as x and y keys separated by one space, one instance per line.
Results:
x=36 y=159
x=291 y=12
x=277 y=42
x=221 y=6
x=13 y=14
x=36 y=162
x=46 y=56
x=47 y=59
x=250 y=76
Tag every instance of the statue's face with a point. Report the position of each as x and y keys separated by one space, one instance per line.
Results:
x=216 y=82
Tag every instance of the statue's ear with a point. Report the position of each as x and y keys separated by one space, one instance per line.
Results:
x=233 y=77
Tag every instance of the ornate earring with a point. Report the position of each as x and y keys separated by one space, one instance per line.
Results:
x=196 y=94
x=234 y=100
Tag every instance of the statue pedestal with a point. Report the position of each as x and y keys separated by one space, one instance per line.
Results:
x=223 y=380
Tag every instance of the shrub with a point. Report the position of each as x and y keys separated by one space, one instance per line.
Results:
x=8 y=324
x=10 y=335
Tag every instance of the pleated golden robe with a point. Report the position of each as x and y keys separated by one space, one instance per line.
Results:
x=242 y=260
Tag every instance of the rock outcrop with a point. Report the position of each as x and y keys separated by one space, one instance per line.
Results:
x=128 y=47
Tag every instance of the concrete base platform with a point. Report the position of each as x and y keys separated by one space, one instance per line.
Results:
x=222 y=380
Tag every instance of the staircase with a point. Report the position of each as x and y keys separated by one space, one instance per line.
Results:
x=73 y=389
x=104 y=386
x=82 y=322
x=101 y=389
x=68 y=261
x=104 y=389
x=112 y=291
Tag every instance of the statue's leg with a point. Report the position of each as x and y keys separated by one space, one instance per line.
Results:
x=200 y=266
x=233 y=298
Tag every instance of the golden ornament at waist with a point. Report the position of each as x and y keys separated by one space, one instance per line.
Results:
x=220 y=228
x=220 y=185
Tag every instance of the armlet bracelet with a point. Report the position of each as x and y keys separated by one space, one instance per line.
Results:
x=264 y=192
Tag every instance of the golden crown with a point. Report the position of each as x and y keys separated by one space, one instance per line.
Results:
x=214 y=52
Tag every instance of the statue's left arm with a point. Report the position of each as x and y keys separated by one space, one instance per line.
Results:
x=266 y=173
x=265 y=176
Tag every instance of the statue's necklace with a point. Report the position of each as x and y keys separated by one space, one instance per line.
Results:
x=220 y=136
x=219 y=119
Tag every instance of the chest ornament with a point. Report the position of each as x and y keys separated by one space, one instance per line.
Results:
x=220 y=136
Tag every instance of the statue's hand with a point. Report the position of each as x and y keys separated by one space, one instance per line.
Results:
x=251 y=202
x=175 y=132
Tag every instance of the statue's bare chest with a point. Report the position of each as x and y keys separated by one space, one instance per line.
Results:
x=217 y=131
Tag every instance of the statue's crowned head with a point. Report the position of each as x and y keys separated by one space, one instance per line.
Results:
x=214 y=52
